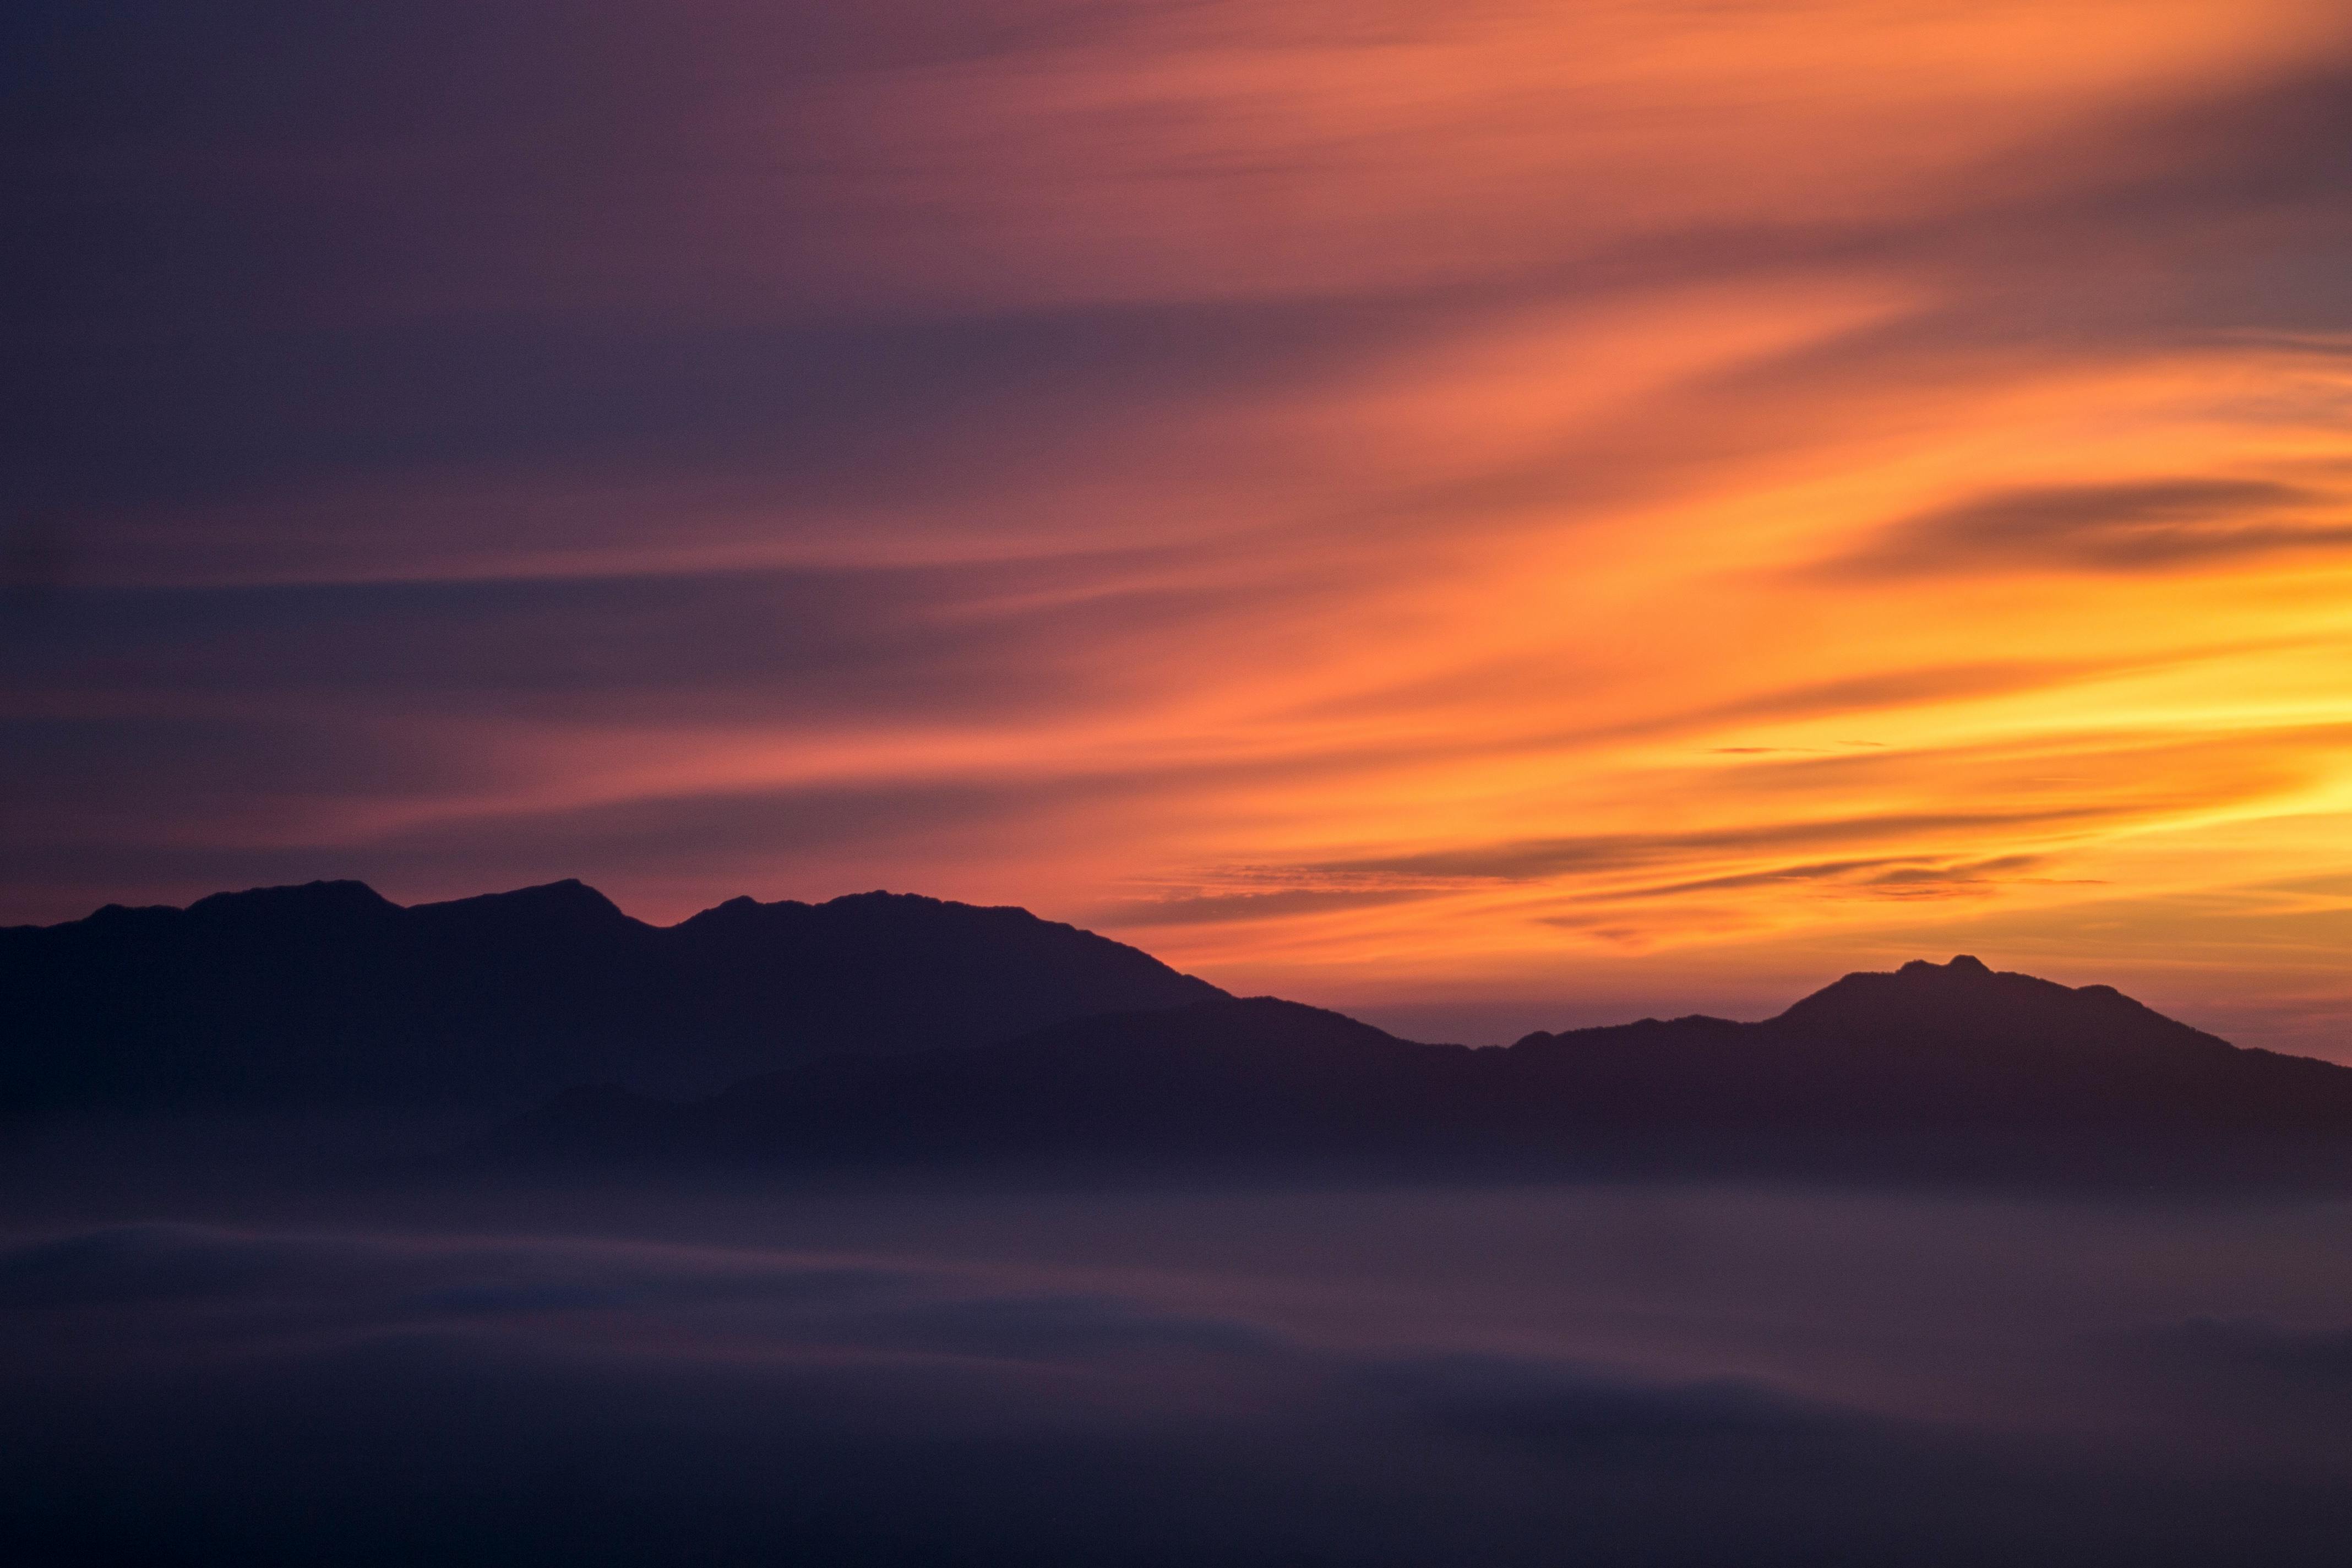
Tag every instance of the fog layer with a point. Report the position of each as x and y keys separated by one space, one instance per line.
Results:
x=1650 y=1375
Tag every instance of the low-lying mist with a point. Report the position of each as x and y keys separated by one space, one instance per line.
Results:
x=1626 y=1374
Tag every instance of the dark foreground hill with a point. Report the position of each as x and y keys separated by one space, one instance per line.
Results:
x=1933 y=1071
x=328 y=995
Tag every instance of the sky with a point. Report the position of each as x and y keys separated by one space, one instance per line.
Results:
x=1492 y=517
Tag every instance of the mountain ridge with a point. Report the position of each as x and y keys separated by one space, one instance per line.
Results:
x=884 y=1030
x=327 y=992
x=1950 y=1069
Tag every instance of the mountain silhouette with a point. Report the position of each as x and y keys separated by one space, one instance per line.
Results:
x=886 y=1031
x=1954 y=1046
x=330 y=995
x=1933 y=1070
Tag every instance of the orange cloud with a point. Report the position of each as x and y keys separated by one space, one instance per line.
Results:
x=1376 y=503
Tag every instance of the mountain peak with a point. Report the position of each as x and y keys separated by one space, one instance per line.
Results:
x=1965 y=1001
x=571 y=900
x=1962 y=964
x=300 y=900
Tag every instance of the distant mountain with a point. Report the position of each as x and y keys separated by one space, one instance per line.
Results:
x=328 y=993
x=1953 y=1047
x=1945 y=1070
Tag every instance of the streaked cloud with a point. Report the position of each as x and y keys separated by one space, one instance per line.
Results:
x=1373 y=500
x=2151 y=525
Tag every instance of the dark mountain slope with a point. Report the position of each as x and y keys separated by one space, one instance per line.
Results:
x=330 y=995
x=1227 y=1078
x=1954 y=1046
x=1936 y=1070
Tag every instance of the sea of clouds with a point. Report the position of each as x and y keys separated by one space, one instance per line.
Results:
x=1605 y=1377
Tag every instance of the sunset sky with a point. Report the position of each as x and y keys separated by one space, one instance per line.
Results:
x=1488 y=515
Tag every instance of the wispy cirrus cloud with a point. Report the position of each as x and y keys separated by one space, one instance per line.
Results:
x=1223 y=470
x=2141 y=526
